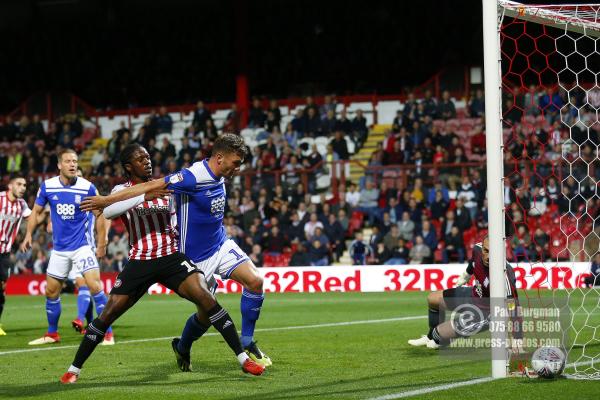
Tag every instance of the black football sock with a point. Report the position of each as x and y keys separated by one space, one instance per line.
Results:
x=93 y=336
x=2 y=300
x=220 y=319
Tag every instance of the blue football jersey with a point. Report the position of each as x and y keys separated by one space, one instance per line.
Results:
x=200 y=199
x=71 y=227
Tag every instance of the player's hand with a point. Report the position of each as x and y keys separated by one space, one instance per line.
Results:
x=26 y=244
x=93 y=203
x=100 y=251
x=157 y=194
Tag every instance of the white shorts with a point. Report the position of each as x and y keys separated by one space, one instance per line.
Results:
x=62 y=262
x=223 y=262
x=74 y=274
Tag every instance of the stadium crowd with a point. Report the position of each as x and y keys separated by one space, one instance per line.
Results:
x=434 y=215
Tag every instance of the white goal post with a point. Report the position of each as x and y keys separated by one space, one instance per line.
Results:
x=571 y=22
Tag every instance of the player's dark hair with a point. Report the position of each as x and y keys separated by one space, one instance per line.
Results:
x=16 y=175
x=126 y=154
x=230 y=143
x=65 y=151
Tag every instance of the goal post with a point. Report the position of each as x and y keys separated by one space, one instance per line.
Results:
x=495 y=172
x=542 y=107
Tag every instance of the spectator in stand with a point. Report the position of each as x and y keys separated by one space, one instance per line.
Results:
x=299 y=123
x=210 y=131
x=321 y=237
x=164 y=122
x=353 y=195
x=466 y=192
x=399 y=254
x=550 y=103
x=446 y=108
x=201 y=115
x=521 y=244
x=429 y=235
x=386 y=223
x=335 y=232
x=328 y=106
x=406 y=227
x=594 y=278
x=342 y=204
x=271 y=123
x=275 y=242
x=376 y=237
x=311 y=225
x=317 y=254
x=394 y=210
x=463 y=216
x=368 y=202
x=429 y=103
x=541 y=246
x=382 y=254
x=420 y=253
x=291 y=136
x=359 y=250
x=482 y=216
x=118 y=262
x=340 y=146
x=329 y=123
x=256 y=256
x=274 y=108
x=232 y=122
x=300 y=257
x=313 y=123
x=344 y=124
x=167 y=150
x=256 y=114
x=454 y=246
x=359 y=129
x=117 y=244
x=391 y=238
x=512 y=114
x=477 y=105
x=342 y=217
x=478 y=143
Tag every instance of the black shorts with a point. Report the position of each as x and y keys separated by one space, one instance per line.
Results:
x=4 y=266
x=458 y=296
x=137 y=275
x=472 y=314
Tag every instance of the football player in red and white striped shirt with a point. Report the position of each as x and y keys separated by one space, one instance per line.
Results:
x=13 y=209
x=154 y=258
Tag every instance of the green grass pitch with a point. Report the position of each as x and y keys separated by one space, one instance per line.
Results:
x=325 y=345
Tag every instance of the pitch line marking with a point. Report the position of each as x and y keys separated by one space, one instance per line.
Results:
x=282 y=328
x=448 y=386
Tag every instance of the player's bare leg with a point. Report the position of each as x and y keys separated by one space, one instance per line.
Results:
x=92 y=279
x=84 y=305
x=250 y=306
x=436 y=312
x=53 y=311
x=194 y=289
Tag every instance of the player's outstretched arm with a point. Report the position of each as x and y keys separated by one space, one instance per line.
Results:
x=32 y=223
x=102 y=227
x=155 y=188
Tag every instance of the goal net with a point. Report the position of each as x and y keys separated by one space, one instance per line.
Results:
x=550 y=98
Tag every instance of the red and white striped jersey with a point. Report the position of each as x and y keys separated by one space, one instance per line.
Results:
x=151 y=234
x=11 y=214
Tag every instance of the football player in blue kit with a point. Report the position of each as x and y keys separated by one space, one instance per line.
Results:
x=73 y=240
x=201 y=198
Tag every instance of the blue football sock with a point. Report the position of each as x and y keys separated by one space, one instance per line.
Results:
x=53 y=310
x=100 y=301
x=250 y=306
x=192 y=331
x=83 y=302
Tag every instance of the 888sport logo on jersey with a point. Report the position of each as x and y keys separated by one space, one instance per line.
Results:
x=66 y=211
x=217 y=206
